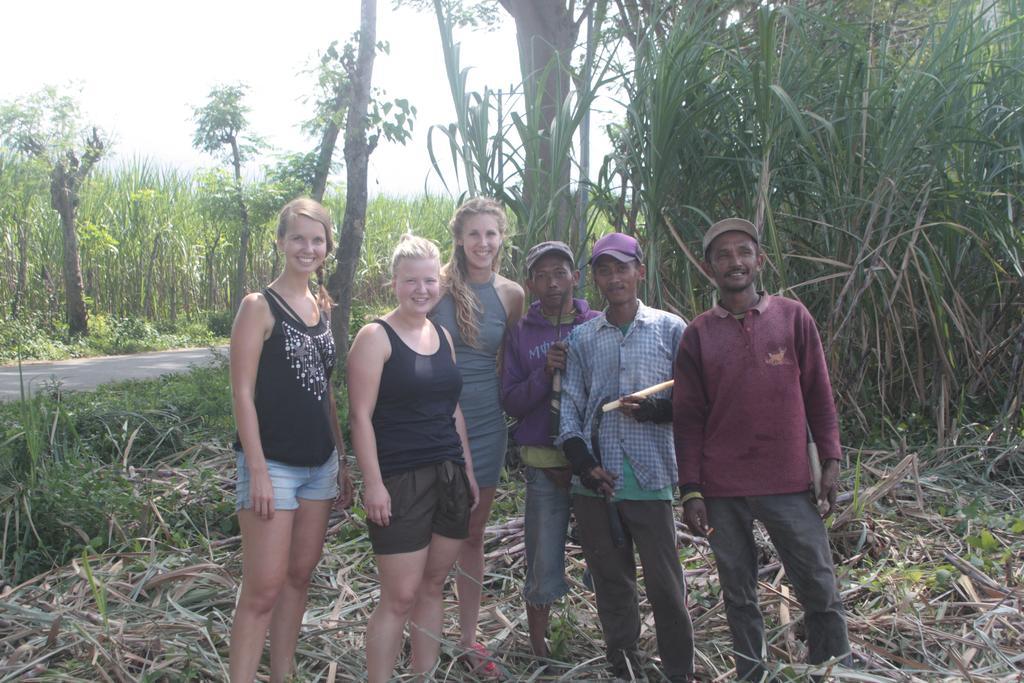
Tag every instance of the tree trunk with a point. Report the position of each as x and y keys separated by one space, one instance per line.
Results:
x=546 y=34
x=63 y=197
x=357 y=154
x=323 y=161
x=19 y=288
x=211 y=287
x=238 y=286
x=148 y=307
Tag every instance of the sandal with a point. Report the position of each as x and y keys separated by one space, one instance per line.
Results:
x=480 y=662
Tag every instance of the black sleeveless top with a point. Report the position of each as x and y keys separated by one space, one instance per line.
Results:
x=413 y=420
x=292 y=388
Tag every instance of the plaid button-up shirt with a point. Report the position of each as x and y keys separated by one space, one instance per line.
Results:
x=603 y=364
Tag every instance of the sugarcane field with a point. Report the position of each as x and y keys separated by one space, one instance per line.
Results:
x=522 y=340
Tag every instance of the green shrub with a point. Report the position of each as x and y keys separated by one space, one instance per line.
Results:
x=31 y=337
x=219 y=323
x=110 y=335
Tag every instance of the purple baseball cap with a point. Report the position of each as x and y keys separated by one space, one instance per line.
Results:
x=619 y=246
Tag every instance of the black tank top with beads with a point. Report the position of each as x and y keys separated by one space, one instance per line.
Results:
x=292 y=388
x=413 y=421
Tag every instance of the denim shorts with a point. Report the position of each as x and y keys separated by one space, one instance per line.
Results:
x=547 y=521
x=290 y=482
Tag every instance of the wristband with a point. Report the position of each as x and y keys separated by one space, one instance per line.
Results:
x=578 y=455
x=692 y=495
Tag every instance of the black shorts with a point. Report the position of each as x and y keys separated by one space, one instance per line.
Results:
x=433 y=499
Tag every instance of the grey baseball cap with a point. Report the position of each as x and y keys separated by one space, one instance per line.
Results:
x=550 y=247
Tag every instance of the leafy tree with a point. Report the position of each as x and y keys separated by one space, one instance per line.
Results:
x=221 y=131
x=294 y=173
x=335 y=73
x=47 y=126
x=484 y=14
x=345 y=95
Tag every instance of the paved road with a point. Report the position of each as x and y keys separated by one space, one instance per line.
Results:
x=87 y=373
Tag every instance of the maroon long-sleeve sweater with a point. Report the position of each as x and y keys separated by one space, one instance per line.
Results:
x=744 y=391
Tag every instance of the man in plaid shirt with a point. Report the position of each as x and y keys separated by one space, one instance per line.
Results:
x=630 y=348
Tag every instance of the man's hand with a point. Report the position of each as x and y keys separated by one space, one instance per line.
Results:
x=695 y=514
x=555 y=358
x=829 y=479
x=599 y=480
x=657 y=410
x=630 y=404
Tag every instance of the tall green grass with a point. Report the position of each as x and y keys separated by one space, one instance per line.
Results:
x=157 y=245
x=886 y=170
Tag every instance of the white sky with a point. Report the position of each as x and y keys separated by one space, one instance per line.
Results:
x=143 y=66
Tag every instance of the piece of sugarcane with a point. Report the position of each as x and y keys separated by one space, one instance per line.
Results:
x=614 y=521
x=643 y=393
x=556 y=378
x=814 y=460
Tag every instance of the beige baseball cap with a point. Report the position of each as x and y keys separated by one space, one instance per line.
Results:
x=729 y=225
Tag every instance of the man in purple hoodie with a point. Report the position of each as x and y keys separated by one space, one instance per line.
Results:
x=534 y=354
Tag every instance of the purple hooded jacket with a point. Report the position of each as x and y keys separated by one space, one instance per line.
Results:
x=525 y=387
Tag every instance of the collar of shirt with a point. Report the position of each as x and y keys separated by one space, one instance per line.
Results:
x=644 y=315
x=762 y=306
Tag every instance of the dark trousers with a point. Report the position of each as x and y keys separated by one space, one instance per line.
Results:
x=650 y=527
x=802 y=543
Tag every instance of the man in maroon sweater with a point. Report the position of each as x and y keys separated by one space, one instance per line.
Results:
x=750 y=383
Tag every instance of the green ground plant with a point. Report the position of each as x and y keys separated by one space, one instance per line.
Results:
x=69 y=465
x=36 y=337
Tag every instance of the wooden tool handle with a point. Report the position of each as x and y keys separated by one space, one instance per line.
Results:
x=643 y=393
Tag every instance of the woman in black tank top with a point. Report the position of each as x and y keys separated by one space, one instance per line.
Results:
x=282 y=356
x=410 y=443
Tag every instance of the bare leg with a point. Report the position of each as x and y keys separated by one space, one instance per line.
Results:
x=400 y=577
x=308 y=529
x=428 y=612
x=537 y=618
x=469 y=580
x=265 y=545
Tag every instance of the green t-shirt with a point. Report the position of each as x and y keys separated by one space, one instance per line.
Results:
x=630 y=488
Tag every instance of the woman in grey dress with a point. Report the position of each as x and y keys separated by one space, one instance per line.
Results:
x=477 y=307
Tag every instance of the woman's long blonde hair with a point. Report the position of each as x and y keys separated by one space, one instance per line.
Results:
x=310 y=208
x=454 y=274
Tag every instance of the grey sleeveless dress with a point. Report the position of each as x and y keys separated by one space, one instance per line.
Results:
x=481 y=397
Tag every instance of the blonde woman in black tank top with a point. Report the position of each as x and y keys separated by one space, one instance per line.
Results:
x=416 y=464
x=289 y=444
